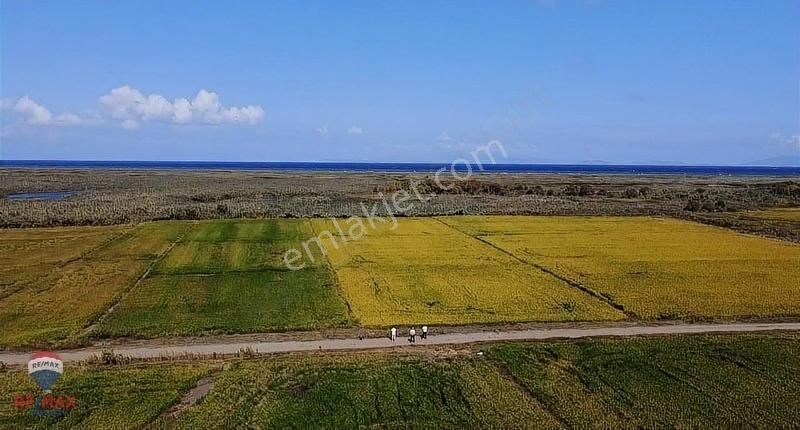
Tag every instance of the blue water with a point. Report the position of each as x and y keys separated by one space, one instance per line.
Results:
x=412 y=167
x=44 y=195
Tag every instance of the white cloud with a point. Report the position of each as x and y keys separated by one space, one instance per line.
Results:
x=127 y=103
x=32 y=112
x=323 y=130
x=355 y=130
x=132 y=108
x=68 y=119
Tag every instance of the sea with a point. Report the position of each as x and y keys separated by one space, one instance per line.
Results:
x=624 y=169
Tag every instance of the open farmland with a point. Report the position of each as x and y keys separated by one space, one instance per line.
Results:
x=107 y=398
x=426 y=272
x=662 y=382
x=654 y=268
x=69 y=285
x=26 y=255
x=229 y=277
x=733 y=381
x=70 y=294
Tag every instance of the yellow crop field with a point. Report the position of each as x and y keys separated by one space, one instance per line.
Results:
x=28 y=254
x=65 y=297
x=655 y=268
x=426 y=272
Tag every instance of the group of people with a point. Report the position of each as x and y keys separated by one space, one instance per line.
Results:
x=412 y=334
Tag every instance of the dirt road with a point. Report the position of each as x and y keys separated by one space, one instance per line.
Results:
x=159 y=349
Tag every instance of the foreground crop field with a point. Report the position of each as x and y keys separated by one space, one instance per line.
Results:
x=427 y=272
x=737 y=381
x=655 y=268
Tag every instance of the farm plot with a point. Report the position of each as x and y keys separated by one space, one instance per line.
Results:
x=662 y=382
x=58 y=305
x=243 y=302
x=110 y=398
x=364 y=392
x=28 y=254
x=426 y=272
x=229 y=277
x=655 y=268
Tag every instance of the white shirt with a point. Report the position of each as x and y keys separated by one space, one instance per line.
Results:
x=424 y=329
x=412 y=332
x=394 y=331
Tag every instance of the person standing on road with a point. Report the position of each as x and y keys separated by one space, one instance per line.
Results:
x=424 y=332
x=412 y=335
x=393 y=334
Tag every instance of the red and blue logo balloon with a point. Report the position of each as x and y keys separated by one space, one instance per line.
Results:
x=45 y=368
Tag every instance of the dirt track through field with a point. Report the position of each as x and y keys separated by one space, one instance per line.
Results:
x=156 y=349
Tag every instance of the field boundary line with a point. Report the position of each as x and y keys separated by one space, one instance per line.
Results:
x=335 y=278
x=509 y=376
x=92 y=325
x=600 y=296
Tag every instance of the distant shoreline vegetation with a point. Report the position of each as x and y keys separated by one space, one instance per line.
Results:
x=628 y=169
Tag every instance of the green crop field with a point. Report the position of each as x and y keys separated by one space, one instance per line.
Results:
x=733 y=381
x=675 y=382
x=107 y=398
x=228 y=303
x=229 y=277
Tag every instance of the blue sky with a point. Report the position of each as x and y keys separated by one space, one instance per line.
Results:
x=553 y=80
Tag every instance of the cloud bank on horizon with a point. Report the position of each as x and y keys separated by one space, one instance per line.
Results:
x=128 y=107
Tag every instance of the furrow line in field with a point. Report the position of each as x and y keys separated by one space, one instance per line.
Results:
x=568 y=281
x=335 y=278
x=512 y=379
x=92 y=325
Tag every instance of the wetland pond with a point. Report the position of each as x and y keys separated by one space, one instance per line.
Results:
x=44 y=195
